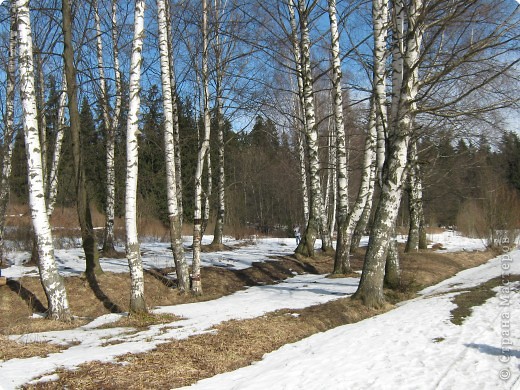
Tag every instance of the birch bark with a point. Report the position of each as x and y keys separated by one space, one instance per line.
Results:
x=360 y=214
x=317 y=221
x=181 y=267
x=137 y=299
x=416 y=234
x=108 y=238
x=298 y=111
x=370 y=289
x=175 y=108
x=52 y=181
x=42 y=117
x=8 y=137
x=219 y=77
x=341 y=261
x=51 y=280
x=380 y=21
x=196 y=285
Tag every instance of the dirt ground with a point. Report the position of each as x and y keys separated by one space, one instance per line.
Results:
x=236 y=344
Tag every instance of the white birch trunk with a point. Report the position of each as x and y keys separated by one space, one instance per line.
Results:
x=108 y=239
x=360 y=214
x=370 y=289
x=332 y=187
x=52 y=181
x=380 y=20
x=51 y=280
x=196 y=285
x=174 y=218
x=175 y=108
x=42 y=123
x=392 y=266
x=8 y=136
x=206 y=195
x=221 y=195
x=317 y=219
x=137 y=301
x=219 y=74
x=298 y=111
x=416 y=234
x=398 y=16
x=341 y=262
x=303 y=174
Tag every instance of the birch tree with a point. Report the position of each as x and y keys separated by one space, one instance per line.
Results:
x=317 y=221
x=137 y=301
x=298 y=111
x=378 y=122
x=380 y=28
x=370 y=289
x=174 y=216
x=83 y=205
x=8 y=136
x=108 y=239
x=175 y=112
x=362 y=205
x=52 y=282
x=52 y=180
x=341 y=261
x=416 y=234
x=221 y=174
x=109 y=125
x=196 y=284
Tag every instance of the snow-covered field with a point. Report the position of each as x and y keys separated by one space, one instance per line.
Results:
x=414 y=346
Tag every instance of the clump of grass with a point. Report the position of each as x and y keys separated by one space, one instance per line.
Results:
x=475 y=296
x=142 y=321
x=10 y=349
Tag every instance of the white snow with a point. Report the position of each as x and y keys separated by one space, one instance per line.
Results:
x=414 y=346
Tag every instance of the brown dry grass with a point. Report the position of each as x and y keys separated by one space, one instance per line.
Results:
x=10 y=349
x=237 y=343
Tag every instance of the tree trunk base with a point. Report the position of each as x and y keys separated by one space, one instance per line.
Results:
x=138 y=306
x=370 y=300
x=196 y=287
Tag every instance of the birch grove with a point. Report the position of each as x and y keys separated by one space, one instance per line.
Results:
x=133 y=254
x=52 y=282
x=255 y=118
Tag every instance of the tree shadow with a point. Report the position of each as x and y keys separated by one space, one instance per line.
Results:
x=494 y=351
x=29 y=297
x=161 y=276
x=105 y=300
